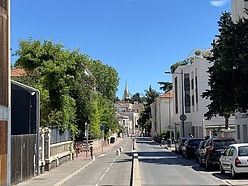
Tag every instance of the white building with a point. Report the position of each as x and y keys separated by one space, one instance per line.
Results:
x=241 y=120
x=162 y=114
x=238 y=9
x=128 y=115
x=193 y=78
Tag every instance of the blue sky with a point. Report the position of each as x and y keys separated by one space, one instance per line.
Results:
x=139 y=38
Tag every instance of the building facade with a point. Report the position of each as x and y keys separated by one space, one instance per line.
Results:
x=189 y=82
x=238 y=9
x=162 y=114
x=241 y=121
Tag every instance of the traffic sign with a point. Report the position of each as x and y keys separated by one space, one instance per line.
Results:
x=101 y=127
x=183 y=117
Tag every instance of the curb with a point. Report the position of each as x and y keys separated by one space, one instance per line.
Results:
x=74 y=173
x=136 y=180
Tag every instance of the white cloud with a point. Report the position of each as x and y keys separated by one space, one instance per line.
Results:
x=218 y=2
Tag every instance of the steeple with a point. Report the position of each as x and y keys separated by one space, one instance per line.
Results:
x=126 y=93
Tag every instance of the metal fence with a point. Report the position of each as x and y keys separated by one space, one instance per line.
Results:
x=58 y=136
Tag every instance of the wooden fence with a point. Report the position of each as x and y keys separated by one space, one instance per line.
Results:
x=22 y=157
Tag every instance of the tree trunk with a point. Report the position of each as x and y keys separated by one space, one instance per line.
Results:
x=226 y=122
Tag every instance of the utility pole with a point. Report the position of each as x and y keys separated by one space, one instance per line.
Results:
x=5 y=94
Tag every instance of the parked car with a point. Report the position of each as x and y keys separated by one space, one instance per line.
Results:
x=199 y=150
x=179 y=143
x=235 y=159
x=189 y=147
x=213 y=148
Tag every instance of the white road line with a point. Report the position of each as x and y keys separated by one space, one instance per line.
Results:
x=102 y=176
x=107 y=169
x=101 y=155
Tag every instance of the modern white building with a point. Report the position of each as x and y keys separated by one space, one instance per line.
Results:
x=189 y=82
x=241 y=120
x=238 y=9
x=162 y=114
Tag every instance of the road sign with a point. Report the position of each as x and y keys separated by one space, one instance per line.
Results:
x=101 y=127
x=183 y=117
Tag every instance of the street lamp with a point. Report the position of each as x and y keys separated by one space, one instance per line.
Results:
x=182 y=116
x=29 y=111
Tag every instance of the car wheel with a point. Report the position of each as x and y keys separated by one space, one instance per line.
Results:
x=234 y=174
x=222 y=171
x=207 y=165
x=196 y=158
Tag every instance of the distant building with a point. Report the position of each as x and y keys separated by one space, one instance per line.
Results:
x=162 y=114
x=126 y=93
x=128 y=115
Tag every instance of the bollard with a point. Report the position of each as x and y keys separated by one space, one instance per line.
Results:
x=169 y=142
x=121 y=149
x=117 y=152
x=91 y=152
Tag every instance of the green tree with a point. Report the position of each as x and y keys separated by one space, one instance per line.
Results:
x=106 y=77
x=165 y=86
x=229 y=72
x=144 y=120
x=151 y=94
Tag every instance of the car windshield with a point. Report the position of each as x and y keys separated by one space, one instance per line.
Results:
x=243 y=151
x=194 y=142
x=223 y=143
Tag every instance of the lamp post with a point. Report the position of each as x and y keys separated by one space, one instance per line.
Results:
x=29 y=111
x=182 y=116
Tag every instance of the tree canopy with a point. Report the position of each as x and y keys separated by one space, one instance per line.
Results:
x=229 y=73
x=69 y=96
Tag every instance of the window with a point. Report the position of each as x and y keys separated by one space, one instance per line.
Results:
x=238 y=131
x=176 y=96
x=187 y=93
x=226 y=151
x=231 y=151
x=243 y=151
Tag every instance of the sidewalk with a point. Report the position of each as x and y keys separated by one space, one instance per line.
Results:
x=65 y=171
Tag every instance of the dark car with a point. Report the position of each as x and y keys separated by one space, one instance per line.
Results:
x=199 y=150
x=213 y=148
x=179 y=144
x=190 y=146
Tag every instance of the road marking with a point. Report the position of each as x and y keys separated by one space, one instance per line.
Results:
x=101 y=155
x=107 y=169
x=102 y=176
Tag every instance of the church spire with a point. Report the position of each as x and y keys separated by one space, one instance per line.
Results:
x=126 y=93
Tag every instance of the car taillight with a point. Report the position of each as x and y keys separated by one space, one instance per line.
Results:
x=209 y=149
x=237 y=161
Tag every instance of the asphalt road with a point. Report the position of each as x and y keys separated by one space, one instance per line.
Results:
x=160 y=167
x=108 y=168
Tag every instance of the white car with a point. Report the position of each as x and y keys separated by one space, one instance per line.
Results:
x=235 y=159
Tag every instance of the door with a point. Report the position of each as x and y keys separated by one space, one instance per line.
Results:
x=224 y=159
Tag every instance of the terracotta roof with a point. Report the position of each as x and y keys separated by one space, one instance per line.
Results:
x=168 y=94
x=18 y=72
